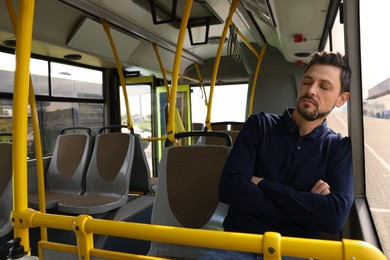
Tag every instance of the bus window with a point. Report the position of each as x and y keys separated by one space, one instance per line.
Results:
x=61 y=104
x=139 y=98
x=38 y=69
x=55 y=116
x=7 y=67
x=338 y=119
x=222 y=108
x=72 y=81
x=376 y=109
x=40 y=76
x=6 y=116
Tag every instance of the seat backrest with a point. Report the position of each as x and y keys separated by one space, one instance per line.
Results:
x=197 y=126
x=67 y=168
x=108 y=176
x=229 y=127
x=218 y=141
x=187 y=195
x=140 y=171
x=226 y=125
x=110 y=166
x=5 y=187
x=202 y=137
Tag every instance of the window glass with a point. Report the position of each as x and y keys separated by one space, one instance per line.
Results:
x=139 y=99
x=69 y=81
x=5 y=116
x=229 y=103
x=338 y=119
x=39 y=70
x=55 y=116
x=376 y=109
x=7 y=68
x=75 y=82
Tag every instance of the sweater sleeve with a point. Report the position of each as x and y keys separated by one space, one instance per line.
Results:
x=236 y=188
x=323 y=212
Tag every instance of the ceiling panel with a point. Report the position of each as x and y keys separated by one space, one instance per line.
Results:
x=99 y=44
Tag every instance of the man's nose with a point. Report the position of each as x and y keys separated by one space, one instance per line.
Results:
x=312 y=89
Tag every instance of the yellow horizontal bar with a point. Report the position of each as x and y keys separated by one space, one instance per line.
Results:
x=140 y=79
x=286 y=246
x=31 y=218
x=154 y=138
x=176 y=235
x=119 y=255
x=184 y=77
x=57 y=246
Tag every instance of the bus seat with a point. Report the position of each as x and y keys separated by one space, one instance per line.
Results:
x=140 y=171
x=140 y=185
x=66 y=172
x=201 y=138
x=226 y=125
x=5 y=188
x=218 y=141
x=187 y=195
x=141 y=192
x=197 y=126
x=107 y=178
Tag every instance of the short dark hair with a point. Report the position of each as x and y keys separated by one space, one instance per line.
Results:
x=337 y=60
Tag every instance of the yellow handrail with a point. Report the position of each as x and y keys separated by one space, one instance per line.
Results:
x=37 y=132
x=165 y=71
x=168 y=90
x=160 y=63
x=217 y=59
x=254 y=83
x=259 y=61
x=120 y=73
x=271 y=244
x=175 y=74
x=19 y=126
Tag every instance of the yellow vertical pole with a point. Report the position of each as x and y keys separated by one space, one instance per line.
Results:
x=19 y=126
x=255 y=76
x=217 y=59
x=37 y=133
x=84 y=238
x=161 y=68
x=176 y=68
x=120 y=72
x=272 y=246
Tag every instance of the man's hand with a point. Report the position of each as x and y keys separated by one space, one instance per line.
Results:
x=256 y=180
x=321 y=187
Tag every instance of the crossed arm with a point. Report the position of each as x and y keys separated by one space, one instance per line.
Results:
x=320 y=187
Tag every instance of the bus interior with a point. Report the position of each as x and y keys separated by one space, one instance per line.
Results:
x=125 y=87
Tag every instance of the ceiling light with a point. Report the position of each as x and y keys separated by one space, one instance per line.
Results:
x=10 y=43
x=72 y=57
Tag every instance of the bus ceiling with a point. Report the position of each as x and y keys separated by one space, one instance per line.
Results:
x=136 y=24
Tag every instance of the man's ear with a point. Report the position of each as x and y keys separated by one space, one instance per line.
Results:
x=343 y=97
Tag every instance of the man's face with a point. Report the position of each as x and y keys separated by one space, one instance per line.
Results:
x=320 y=92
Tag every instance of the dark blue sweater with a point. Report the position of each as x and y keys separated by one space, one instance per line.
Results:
x=270 y=146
